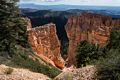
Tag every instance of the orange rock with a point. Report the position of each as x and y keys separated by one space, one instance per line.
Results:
x=45 y=43
x=94 y=28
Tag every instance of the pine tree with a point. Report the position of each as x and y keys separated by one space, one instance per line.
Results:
x=12 y=27
x=114 y=40
x=86 y=52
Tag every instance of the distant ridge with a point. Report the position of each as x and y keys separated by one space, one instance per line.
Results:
x=67 y=7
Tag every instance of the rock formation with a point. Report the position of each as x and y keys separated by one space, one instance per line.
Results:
x=94 y=28
x=45 y=43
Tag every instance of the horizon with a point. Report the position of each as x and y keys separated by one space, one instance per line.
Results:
x=115 y=3
x=66 y=4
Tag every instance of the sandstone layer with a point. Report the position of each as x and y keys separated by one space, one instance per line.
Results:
x=45 y=43
x=94 y=28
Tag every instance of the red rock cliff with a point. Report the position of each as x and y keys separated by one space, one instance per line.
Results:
x=94 y=28
x=45 y=43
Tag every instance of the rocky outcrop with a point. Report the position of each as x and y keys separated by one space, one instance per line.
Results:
x=45 y=43
x=94 y=28
x=84 y=73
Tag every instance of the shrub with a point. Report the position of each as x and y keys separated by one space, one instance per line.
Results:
x=109 y=67
x=24 y=58
x=86 y=52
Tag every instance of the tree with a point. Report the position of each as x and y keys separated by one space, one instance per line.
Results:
x=85 y=53
x=114 y=40
x=12 y=27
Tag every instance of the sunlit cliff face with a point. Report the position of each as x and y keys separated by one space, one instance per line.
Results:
x=91 y=27
x=45 y=43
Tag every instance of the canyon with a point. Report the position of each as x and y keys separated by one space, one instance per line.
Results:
x=95 y=28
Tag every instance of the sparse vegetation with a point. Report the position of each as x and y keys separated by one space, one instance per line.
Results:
x=22 y=60
x=36 y=66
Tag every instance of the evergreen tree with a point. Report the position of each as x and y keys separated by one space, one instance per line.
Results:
x=12 y=27
x=114 y=40
x=86 y=52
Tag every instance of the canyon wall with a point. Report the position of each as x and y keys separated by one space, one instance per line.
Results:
x=45 y=43
x=94 y=28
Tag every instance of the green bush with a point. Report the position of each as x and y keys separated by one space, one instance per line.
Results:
x=86 y=52
x=109 y=67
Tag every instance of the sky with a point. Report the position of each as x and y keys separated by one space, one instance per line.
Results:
x=74 y=2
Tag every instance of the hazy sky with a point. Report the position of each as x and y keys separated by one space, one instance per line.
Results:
x=74 y=2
